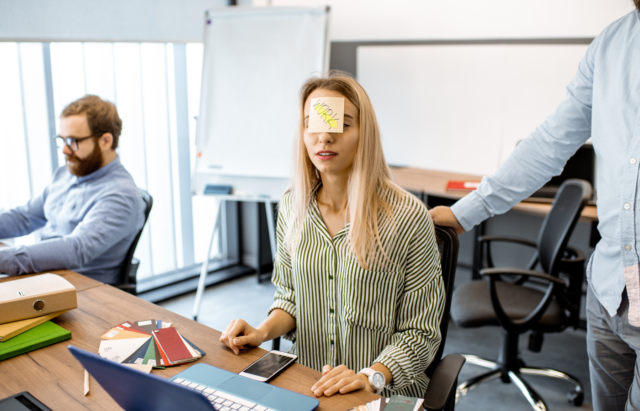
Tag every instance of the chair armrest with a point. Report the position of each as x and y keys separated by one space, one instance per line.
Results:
x=522 y=324
x=442 y=386
x=489 y=272
x=494 y=238
x=490 y=238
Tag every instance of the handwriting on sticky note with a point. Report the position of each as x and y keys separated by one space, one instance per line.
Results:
x=326 y=115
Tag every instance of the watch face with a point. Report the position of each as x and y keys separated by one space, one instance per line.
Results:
x=378 y=380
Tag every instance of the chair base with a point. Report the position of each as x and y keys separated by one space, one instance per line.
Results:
x=510 y=370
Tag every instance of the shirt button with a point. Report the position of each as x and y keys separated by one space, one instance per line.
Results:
x=330 y=277
x=627 y=206
x=633 y=160
x=331 y=342
x=627 y=247
x=331 y=310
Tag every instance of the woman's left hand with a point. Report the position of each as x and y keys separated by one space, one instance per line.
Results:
x=340 y=379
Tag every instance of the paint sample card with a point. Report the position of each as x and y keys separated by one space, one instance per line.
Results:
x=326 y=115
x=119 y=350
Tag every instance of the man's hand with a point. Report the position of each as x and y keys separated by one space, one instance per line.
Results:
x=445 y=217
x=239 y=333
x=340 y=379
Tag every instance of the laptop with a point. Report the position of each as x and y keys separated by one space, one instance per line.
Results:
x=201 y=387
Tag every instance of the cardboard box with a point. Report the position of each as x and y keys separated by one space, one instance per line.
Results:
x=35 y=296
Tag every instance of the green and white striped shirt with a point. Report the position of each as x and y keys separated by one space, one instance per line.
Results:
x=344 y=314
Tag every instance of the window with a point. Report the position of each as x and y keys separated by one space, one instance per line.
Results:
x=141 y=79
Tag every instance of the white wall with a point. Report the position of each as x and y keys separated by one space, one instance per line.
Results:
x=465 y=19
x=112 y=20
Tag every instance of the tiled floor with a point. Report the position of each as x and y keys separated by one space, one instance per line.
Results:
x=245 y=298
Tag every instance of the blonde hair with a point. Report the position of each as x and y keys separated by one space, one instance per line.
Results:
x=370 y=175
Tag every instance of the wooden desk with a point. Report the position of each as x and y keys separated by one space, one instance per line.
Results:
x=53 y=376
x=434 y=183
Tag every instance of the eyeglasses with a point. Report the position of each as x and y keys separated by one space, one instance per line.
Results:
x=71 y=142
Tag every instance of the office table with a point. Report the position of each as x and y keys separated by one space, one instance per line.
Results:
x=53 y=376
x=434 y=183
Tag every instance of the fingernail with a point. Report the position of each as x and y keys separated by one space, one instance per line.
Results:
x=317 y=393
x=236 y=341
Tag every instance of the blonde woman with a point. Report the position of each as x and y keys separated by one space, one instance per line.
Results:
x=360 y=289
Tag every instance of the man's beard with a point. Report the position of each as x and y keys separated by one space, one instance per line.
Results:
x=83 y=167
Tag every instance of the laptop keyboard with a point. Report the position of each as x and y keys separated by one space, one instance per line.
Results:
x=221 y=400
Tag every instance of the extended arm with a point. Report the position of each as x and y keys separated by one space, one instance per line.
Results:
x=25 y=219
x=538 y=157
x=109 y=221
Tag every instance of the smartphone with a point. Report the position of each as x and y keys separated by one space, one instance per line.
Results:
x=269 y=365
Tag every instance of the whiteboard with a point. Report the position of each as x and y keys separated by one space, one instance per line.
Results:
x=255 y=61
x=462 y=108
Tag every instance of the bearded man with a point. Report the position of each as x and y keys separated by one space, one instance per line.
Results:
x=603 y=102
x=91 y=211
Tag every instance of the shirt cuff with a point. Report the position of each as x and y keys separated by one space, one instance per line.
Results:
x=8 y=261
x=470 y=211
x=391 y=357
x=290 y=309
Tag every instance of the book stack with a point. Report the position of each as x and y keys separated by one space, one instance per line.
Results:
x=395 y=403
x=19 y=337
x=148 y=342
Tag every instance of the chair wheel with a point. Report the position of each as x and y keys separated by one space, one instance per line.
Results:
x=575 y=398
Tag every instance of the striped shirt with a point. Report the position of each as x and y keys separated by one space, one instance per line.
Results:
x=389 y=314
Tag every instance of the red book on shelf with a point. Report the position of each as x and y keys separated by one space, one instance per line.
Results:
x=462 y=185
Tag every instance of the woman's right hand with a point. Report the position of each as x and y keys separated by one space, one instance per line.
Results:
x=238 y=334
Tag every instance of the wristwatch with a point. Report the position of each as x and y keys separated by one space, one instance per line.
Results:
x=376 y=379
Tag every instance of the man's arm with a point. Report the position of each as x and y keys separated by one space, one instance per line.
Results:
x=25 y=219
x=109 y=221
x=535 y=160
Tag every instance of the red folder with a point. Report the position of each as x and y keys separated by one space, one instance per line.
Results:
x=462 y=185
x=172 y=345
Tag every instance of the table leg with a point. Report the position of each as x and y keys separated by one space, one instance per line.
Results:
x=205 y=263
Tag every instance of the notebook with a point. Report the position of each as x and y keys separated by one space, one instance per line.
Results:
x=9 y=330
x=45 y=334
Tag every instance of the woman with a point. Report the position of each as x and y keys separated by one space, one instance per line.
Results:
x=360 y=289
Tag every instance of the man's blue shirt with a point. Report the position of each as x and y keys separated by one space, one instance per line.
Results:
x=88 y=224
x=603 y=102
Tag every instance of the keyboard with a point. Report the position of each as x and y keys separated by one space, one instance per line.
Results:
x=220 y=400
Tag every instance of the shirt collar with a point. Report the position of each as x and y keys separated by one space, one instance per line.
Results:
x=101 y=171
x=314 y=213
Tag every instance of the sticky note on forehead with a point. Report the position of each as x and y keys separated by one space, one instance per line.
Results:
x=326 y=115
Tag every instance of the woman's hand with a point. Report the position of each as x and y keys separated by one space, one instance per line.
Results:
x=444 y=216
x=238 y=334
x=340 y=379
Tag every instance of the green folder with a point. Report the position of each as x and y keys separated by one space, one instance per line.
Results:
x=45 y=334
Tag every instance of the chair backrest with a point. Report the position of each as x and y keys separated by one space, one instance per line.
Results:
x=448 y=246
x=126 y=265
x=558 y=225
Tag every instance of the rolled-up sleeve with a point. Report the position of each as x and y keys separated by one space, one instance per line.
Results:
x=282 y=277
x=420 y=307
x=538 y=157
x=109 y=221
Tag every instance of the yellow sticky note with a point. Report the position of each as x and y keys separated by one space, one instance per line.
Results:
x=326 y=114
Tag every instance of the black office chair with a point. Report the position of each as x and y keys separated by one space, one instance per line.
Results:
x=519 y=308
x=129 y=270
x=443 y=372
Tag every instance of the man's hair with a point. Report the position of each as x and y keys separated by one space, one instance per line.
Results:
x=102 y=116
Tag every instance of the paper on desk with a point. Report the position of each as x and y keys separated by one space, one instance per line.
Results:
x=86 y=383
x=119 y=350
x=326 y=114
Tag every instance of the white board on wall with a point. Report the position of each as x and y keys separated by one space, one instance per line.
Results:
x=462 y=108
x=255 y=61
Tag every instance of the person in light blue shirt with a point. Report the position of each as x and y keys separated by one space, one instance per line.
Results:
x=92 y=210
x=603 y=102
